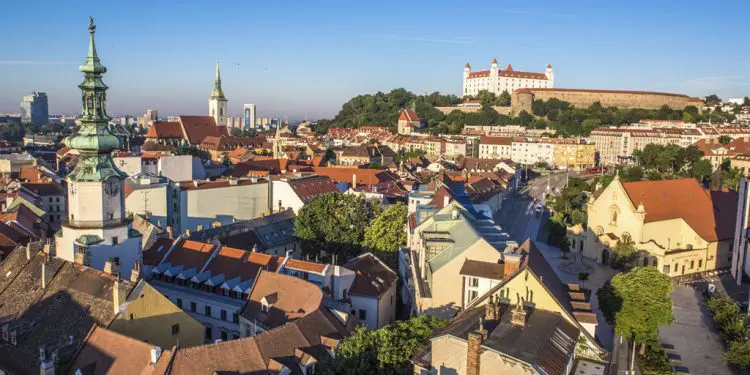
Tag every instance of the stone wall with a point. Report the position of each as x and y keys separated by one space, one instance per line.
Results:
x=522 y=99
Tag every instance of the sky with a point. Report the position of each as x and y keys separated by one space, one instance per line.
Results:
x=304 y=59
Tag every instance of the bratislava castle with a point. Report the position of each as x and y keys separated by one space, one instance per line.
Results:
x=496 y=80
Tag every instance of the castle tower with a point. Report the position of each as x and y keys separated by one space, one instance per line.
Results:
x=550 y=75
x=494 y=76
x=217 y=103
x=96 y=221
x=467 y=72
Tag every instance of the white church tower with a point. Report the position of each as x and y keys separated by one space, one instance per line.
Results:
x=217 y=103
x=97 y=231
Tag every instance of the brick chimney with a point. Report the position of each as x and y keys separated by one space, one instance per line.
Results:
x=170 y=232
x=511 y=262
x=474 y=351
x=45 y=271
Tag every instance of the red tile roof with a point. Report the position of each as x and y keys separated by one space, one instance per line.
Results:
x=291 y=298
x=505 y=141
x=191 y=254
x=244 y=264
x=685 y=198
x=108 y=352
x=302 y=265
x=156 y=252
x=199 y=127
x=408 y=115
x=164 y=130
x=310 y=187
x=509 y=73
x=346 y=174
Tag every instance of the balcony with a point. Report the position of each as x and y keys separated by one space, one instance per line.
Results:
x=93 y=224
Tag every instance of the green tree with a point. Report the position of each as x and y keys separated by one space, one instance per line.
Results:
x=504 y=99
x=725 y=139
x=646 y=303
x=738 y=354
x=582 y=277
x=386 y=233
x=236 y=132
x=334 y=224
x=732 y=177
x=486 y=97
x=623 y=255
x=382 y=351
x=712 y=99
x=702 y=170
x=609 y=302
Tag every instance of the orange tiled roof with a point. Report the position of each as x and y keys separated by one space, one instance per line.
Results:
x=164 y=130
x=701 y=209
x=199 y=127
x=302 y=265
x=408 y=115
x=191 y=254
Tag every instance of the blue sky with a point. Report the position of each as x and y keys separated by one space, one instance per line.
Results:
x=297 y=58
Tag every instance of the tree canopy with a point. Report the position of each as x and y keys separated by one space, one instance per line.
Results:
x=646 y=303
x=382 y=351
x=386 y=233
x=334 y=224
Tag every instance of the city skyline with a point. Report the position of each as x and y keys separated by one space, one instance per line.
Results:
x=164 y=58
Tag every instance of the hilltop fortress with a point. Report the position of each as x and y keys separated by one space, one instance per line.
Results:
x=522 y=99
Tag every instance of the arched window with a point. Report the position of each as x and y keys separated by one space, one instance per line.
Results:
x=221 y=111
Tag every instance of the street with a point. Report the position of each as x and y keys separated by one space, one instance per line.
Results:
x=693 y=335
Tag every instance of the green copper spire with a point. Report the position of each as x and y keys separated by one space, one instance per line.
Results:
x=93 y=140
x=217 y=93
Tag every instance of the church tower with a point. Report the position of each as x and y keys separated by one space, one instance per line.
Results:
x=217 y=103
x=96 y=228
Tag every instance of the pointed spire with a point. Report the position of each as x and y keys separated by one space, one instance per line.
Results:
x=92 y=64
x=217 y=92
x=494 y=61
x=509 y=68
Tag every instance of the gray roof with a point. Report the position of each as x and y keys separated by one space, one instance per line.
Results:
x=547 y=340
x=56 y=317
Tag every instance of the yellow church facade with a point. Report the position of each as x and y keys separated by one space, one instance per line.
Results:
x=675 y=225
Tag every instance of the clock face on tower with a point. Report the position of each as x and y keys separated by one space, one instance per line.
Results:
x=111 y=187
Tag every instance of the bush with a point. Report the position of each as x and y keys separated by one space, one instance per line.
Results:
x=726 y=314
x=654 y=360
x=609 y=302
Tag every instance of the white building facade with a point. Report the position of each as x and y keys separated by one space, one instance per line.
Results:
x=496 y=80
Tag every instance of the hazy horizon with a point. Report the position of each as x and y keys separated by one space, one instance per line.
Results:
x=307 y=60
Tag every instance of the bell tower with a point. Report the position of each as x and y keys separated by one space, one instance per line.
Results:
x=97 y=225
x=217 y=103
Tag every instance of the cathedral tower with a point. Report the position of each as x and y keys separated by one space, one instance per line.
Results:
x=217 y=103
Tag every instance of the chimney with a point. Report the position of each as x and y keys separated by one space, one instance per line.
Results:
x=112 y=266
x=82 y=257
x=170 y=232
x=187 y=232
x=28 y=251
x=158 y=224
x=45 y=277
x=135 y=273
x=454 y=214
x=511 y=264
x=118 y=296
x=155 y=354
x=195 y=183
x=518 y=316
x=46 y=363
x=354 y=180
x=490 y=309
x=474 y=351
x=446 y=200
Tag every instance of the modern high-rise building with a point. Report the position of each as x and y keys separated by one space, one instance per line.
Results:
x=249 y=111
x=34 y=108
x=217 y=103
